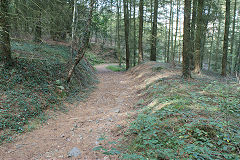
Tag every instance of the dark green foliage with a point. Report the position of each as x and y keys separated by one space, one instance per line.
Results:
x=36 y=83
x=187 y=120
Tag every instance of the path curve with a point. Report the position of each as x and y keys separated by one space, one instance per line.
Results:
x=101 y=113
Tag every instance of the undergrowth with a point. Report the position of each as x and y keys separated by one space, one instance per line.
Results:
x=36 y=82
x=186 y=120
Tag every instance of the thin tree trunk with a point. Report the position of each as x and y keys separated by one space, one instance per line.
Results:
x=73 y=26
x=134 y=33
x=5 y=47
x=169 y=32
x=82 y=50
x=225 y=43
x=186 y=40
x=118 y=34
x=198 y=37
x=233 y=36
x=153 y=56
x=140 y=47
x=126 y=23
x=193 y=29
x=217 y=52
x=176 y=33
x=203 y=42
x=211 y=50
x=180 y=51
x=237 y=64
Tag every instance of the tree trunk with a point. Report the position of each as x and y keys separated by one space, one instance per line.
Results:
x=118 y=34
x=126 y=23
x=5 y=47
x=204 y=34
x=134 y=33
x=140 y=47
x=86 y=38
x=233 y=36
x=38 y=29
x=73 y=27
x=198 y=37
x=193 y=29
x=176 y=34
x=169 y=32
x=211 y=48
x=225 y=43
x=153 y=56
x=217 y=52
x=186 y=40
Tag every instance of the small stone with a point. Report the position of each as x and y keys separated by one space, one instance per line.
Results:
x=80 y=136
x=18 y=146
x=117 y=110
x=110 y=119
x=75 y=152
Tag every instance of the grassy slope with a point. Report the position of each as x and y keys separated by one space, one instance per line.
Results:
x=196 y=119
x=36 y=83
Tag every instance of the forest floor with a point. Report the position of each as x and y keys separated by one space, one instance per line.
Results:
x=98 y=117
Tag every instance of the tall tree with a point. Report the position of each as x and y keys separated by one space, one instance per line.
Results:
x=186 y=40
x=225 y=43
x=5 y=48
x=118 y=32
x=233 y=36
x=74 y=26
x=140 y=39
x=193 y=30
x=198 y=36
x=176 y=34
x=38 y=22
x=153 y=56
x=126 y=24
x=134 y=32
x=169 y=31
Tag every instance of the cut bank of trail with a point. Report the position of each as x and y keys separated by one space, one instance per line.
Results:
x=105 y=109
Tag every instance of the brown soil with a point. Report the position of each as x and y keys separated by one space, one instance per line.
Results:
x=104 y=110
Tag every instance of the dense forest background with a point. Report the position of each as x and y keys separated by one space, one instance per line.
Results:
x=152 y=30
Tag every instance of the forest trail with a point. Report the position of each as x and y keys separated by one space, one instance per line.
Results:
x=101 y=113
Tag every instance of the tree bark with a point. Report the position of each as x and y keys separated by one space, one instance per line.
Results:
x=233 y=36
x=193 y=29
x=198 y=36
x=169 y=32
x=5 y=47
x=82 y=50
x=118 y=33
x=153 y=56
x=73 y=27
x=126 y=23
x=134 y=33
x=225 y=43
x=140 y=47
x=186 y=40
x=176 y=34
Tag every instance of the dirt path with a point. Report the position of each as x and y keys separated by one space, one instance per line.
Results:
x=81 y=127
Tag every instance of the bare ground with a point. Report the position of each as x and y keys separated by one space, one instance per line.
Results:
x=81 y=127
